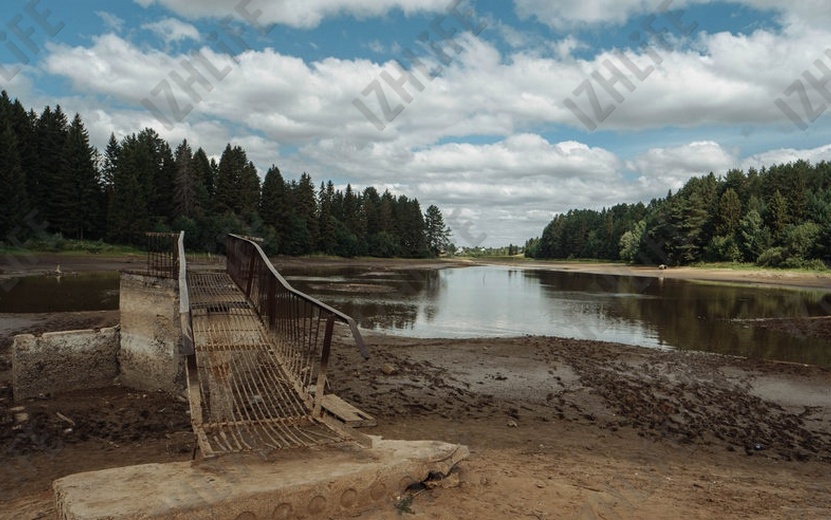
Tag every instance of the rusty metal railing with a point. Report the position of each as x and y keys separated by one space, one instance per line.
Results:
x=301 y=326
x=186 y=348
x=163 y=254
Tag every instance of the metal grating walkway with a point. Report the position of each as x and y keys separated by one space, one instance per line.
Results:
x=243 y=397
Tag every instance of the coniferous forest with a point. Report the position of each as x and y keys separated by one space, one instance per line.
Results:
x=778 y=216
x=50 y=173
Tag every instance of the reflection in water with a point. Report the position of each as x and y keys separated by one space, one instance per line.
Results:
x=76 y=292
x=702 y=316
x=502 y=301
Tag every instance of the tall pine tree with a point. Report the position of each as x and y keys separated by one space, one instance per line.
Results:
x=13 y=200
x=184 y=191
x=76 y=196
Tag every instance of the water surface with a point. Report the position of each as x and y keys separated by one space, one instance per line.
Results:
x=499 y=301
x=75 y=292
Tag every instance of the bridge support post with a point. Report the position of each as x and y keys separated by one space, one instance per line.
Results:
x=324 y=366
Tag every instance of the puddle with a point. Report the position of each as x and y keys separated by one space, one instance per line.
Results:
x=76 y=292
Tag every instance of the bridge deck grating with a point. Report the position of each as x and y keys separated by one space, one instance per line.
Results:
x=248 y=400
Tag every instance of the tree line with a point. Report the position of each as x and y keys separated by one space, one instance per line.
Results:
x=779 y=216
x=140 y=183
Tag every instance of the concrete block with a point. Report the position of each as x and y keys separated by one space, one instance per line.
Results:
x=58 y=362
x=150 y=334
x=310 y=483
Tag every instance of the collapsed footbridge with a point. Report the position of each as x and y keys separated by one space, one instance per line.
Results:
x=257 y=356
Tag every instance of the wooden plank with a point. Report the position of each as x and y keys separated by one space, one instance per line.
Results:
x=347 y=413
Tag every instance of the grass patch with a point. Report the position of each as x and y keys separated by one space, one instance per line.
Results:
x=58 y=244
x=751 y=267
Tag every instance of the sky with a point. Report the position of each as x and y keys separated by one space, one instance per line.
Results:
x=503 y=113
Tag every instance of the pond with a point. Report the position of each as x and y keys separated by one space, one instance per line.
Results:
x=75 y=292
x=496 y=301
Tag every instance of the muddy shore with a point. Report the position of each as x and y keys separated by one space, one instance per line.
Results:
x=558 y=428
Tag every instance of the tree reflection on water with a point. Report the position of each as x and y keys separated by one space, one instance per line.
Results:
x=656 y=312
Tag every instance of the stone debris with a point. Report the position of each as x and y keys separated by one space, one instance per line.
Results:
x=388 y=369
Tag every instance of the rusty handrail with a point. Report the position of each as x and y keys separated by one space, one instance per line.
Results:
x=301 y=325
x=187 y=347
x=162 y=254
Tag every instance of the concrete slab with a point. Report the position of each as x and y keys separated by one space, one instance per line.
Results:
x=151 y=332
x=289 y=484
x=58 y=362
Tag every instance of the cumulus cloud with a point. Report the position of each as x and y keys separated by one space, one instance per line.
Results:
x=111 y=21
x=660 y=169
x=306 y=14
x=788 y=155
x=566 y=14
x=172 y=30
x=489 y=140
x=734 y=80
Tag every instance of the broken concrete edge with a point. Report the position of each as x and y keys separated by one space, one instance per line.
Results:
x=148 y=356
x=313 y=482
x=64 y=361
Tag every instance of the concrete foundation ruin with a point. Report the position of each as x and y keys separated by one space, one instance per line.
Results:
x=142 y=353
x=321 y=483
x=58 y=362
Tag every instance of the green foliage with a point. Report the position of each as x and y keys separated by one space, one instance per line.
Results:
x=773 y=257
x=56 y=243
x=13 y=200
x=630 y=242
x=754 y=237
x=729 y=213
x=778 y=217
x=237 y=183
x=587 y=233
x=723 y=248
x=77 y=198
x=437 y=234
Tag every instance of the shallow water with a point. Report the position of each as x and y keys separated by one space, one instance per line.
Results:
x=75 y=292
x=490 y=301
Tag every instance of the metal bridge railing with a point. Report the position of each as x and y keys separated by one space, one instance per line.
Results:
x=300 y=325
x=187 y=347
x=163 y=254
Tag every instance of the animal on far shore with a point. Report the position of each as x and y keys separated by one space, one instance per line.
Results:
x=662 y=267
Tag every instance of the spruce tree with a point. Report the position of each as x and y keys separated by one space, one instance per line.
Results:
x=76 y=195
x=776 y=216
x=437 y=234
x=327 y=241
x=184 y=191
x=205 y=177
x=237 y=183
x=13 y=200
x=49 y=138
x=729 y=213
x=305 y=204
x=275 y=207
x=127 y=217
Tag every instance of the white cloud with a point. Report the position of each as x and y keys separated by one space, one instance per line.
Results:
x=565 y=47
x=735 y=80
x=788 y=155
x=173 y=30
x=111 y=21
x=661 y=169
x=306 y=14
x=565 y=14
x=111 y=66
x=507 y=187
